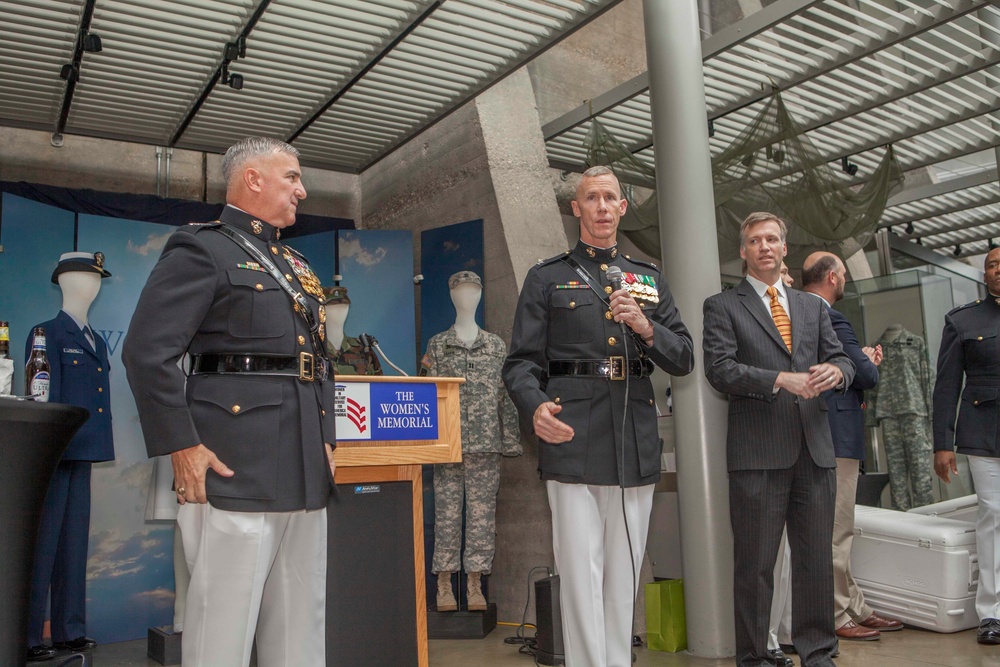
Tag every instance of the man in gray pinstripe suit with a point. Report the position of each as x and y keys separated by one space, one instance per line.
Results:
x=779 y=450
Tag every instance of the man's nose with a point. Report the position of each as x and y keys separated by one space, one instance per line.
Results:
x=302 y=192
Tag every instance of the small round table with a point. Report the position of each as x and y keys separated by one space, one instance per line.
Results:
x=33 y=437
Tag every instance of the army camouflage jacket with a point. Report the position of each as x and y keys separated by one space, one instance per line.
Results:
x=353 y=359
x=489 y=419
x=905 y=382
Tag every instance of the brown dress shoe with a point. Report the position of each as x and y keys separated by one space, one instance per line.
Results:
x=882 y=623
x=853 y=631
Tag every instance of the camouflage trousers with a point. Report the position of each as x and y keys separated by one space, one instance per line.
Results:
x=476 y=480
x=910 y=454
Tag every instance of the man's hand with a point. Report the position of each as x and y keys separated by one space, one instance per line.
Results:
x=796 y=383
x=873 y=353
x=190 y=469
x=329 y=457
x=944 y=462
x=547 y=427
x=824 y=376
x=625 y=309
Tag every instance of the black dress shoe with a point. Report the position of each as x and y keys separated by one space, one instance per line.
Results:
x=41 y=652
x=780 y=659
x=989 y=631
x=787 y=648
x=78 y=644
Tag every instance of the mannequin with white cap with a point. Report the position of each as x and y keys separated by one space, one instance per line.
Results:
x=79 y=369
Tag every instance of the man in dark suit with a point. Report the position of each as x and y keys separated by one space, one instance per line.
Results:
x=824 y=275
x=580 y=357
x=774 y=352
x=249 y=436
x=970 y=351
x=79 y=374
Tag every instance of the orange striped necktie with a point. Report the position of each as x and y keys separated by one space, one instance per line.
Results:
x=780 y=318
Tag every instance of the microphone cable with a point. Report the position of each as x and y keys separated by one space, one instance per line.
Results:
x=614 y=276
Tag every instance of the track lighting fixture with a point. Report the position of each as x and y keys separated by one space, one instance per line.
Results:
x=958 y=250
x=848 y=167
x=92 y=43
x=909 y=228
x=70 y=72
x=711 y=128
x=234 y=81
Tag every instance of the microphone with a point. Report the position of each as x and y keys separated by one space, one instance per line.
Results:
x=615 y=277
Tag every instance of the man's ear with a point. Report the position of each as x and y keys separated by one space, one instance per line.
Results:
x=575 y=207
x=252 y=179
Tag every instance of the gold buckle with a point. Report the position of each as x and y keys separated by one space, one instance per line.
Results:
x=306 y=367
x=617 y=364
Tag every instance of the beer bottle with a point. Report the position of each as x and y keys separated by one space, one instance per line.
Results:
x=4 y=340
x=36 y=371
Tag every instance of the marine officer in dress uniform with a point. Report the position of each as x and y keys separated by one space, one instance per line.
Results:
x=249 y=438
x=970 y=351
x=579 y=365
x=79 y=375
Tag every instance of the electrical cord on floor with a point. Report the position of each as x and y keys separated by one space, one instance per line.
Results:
x=628 y=533
x=528 y=645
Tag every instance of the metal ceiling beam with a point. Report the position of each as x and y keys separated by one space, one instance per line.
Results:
x=934 y=241
x=960 y=226
x=216 y=75
x=942 y=211
x=919 y=192
x=726 y=38
x=365 y=70
x=67 y=101
x=928 y=256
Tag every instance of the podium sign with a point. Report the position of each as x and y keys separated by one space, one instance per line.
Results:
x=386 y=411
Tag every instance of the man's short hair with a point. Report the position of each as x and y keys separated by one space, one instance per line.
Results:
x=248 y=148
x=759 y=217
x=819 y=270
x=599 y=170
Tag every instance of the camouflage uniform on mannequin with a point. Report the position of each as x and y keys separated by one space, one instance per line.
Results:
x=489 y=429
x=349 y=357
x=901 y=403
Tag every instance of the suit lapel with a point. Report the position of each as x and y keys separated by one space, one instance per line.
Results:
x=795 y=314
x=752 y=302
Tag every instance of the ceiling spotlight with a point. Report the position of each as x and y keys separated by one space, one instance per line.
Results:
x=849 y=167
x=957 y=251
x=775 y=154
x=711 y=128
x=920 y=241
x=909 y=228
x=69 y=72
x=92 y=43
x=237 y=49
x=235 y=81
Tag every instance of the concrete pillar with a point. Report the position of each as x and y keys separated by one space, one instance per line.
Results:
x=690 y=252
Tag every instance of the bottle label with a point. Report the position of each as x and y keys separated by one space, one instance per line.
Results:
x=40 y=386
x=39 y=343
x=5 y=334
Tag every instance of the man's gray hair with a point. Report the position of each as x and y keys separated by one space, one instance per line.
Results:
x=248 y=148
x=755 y=219
x=598 y=170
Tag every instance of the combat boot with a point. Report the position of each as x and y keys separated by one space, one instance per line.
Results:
x=474 y=595
x=445 y=597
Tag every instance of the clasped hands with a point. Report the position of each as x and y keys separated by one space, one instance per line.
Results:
x=820 y=378
x=191 y=467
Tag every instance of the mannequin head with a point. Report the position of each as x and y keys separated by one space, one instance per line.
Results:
x=79 y=276
x=466 y=291
x=336 y=308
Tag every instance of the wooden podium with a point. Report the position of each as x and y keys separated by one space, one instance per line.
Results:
x=358 y=628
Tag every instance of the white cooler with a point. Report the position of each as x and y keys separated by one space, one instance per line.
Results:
x=960 y=509
x=920 y=569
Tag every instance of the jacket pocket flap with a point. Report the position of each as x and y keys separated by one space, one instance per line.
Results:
x=979 y=334
x=977 y=395
x=844 y=404
x=572 y=298
x=573 y=390
x=236 y=397
x=257 y=280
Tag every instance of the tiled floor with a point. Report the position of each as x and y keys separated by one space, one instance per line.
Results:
x=897 y=649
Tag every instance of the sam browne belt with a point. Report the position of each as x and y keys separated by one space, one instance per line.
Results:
x=304 y=366
x=612 y=368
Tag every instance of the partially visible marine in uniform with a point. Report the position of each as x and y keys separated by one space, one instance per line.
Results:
x=901 y=403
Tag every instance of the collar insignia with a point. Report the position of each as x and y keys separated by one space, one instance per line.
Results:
x=257 y=226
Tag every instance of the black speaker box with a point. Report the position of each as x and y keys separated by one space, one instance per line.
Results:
x=548 y=621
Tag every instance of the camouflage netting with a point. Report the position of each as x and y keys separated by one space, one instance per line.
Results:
x=771 y=166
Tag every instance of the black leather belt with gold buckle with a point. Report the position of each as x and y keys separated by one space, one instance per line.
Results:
x=612 y=368
x=305 y=366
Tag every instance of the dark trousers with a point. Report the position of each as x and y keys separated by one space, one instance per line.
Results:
x=761 y=503
x=61 y=556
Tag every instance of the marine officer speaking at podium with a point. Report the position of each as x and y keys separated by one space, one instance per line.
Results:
x=248 y=437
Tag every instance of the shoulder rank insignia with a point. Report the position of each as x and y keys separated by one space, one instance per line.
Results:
x=641 y=287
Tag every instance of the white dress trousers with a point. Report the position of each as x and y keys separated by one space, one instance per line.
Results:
x=986 y=477
x=260 y=573
x=592 y=558
x=780 y=625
